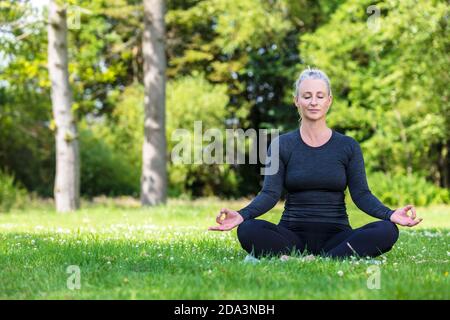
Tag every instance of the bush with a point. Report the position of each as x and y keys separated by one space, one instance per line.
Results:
x=11 y=194
x=104 y=170
x=400 y=190
x=189 y=99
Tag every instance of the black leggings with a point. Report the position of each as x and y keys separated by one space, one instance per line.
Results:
x=260 y=237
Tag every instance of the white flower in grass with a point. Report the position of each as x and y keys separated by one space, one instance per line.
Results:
x=340 y=273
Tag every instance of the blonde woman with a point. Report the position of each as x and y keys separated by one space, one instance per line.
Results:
x=316 y=164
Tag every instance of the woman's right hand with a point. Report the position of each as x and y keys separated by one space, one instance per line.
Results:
x=227 y=220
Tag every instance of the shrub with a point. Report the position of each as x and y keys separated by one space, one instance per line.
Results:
x=104 y=170
x=398 y=189
x=11 y=194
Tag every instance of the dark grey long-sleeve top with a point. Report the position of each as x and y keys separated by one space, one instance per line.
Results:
x=315 y=179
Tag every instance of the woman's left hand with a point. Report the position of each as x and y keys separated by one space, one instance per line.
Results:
x=401 y=217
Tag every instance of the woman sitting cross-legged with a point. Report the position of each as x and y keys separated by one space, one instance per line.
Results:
x=315 y=166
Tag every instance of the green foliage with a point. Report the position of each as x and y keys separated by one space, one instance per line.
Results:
x=111 y=149
x=390 y=85
x=103 y=52
x=11 y=194
x=394 y=189
x=26 y=144
x=191 y=99
x=390 y=81
x=104 y=170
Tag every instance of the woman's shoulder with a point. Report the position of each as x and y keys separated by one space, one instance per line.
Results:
x=290 y=135
x=284 y=138
x=347 y=143
x=289 y=139
x=284 y=143
x=345 y=139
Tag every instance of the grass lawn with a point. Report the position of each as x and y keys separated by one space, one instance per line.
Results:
x=166 y=252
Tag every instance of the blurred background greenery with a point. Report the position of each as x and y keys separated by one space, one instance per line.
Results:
x=230 y=61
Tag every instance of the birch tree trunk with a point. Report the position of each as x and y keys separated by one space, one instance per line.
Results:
x=67 y=179
x=154 y=171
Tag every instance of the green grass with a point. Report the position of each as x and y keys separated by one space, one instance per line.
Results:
x=166 y=252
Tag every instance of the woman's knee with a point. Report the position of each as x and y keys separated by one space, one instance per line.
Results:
x=243 y=227
x=249 y=235
x=247 y=227
x=391 y=231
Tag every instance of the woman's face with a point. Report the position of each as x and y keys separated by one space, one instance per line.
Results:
x=313 y=100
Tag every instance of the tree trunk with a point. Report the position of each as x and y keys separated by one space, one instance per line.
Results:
x=154 y=171
x=67 y=179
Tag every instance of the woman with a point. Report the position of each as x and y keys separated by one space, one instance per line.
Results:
x=316 y=164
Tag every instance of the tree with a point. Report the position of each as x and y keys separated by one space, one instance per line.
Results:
x=67 y=179
x=389 y=73
x=154 y=171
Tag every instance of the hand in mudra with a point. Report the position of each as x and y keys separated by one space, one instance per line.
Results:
x=227 y=220
x=401 y=217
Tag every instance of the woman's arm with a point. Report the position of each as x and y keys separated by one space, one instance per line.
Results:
x=272 y=188
x=359 y=190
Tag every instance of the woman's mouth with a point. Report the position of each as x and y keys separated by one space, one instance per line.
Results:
x=314 y=110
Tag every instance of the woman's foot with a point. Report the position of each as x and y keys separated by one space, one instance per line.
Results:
x=250 y=259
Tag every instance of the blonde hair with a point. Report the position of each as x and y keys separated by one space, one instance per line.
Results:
x=311 y=74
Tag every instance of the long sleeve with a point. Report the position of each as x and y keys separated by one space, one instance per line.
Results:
x=359 y=189
x=271 y=191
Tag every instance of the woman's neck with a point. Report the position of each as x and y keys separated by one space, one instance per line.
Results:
x=314 y=131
